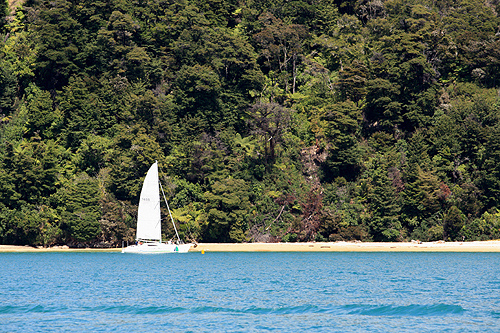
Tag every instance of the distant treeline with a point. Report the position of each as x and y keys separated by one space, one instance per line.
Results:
x=271 y=120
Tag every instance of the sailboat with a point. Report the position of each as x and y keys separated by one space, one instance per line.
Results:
x=148 y=235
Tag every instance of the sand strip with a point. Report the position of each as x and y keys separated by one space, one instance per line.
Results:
x=486 y=246
x=26 y=248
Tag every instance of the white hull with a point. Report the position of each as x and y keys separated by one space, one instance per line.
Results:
x=157 y=248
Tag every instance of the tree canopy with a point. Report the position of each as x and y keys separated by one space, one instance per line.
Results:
x=271 y=120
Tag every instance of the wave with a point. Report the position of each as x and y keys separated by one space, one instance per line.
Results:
x=207 y=309
x=367 y=310
x=30 y=309
x=407 y=310
x=353 y=309
x=286 y=310
x=137 y=309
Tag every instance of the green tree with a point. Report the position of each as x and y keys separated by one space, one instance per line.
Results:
x=281 y=49
x=57 y=34
x=422 y=194
x=93 y=154
x=34 y=168
x=197 y=93
x=453 y=222
x=218 y=69
x=17 y=58
x=484 y=228
x=42 y=118
x=81 y=111
x=352 y=81
x=269 y=121
x=227 y=210
x=22 y=226
x=384 y=204
x=133 y=154
x=341 y=127
x=79 y=205
x=4 y=12
x=490 y=182
x=8 y=85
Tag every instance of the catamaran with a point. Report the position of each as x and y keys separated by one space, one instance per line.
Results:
x=148 y=236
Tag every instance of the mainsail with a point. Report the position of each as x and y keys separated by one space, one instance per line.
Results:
x=149 y=215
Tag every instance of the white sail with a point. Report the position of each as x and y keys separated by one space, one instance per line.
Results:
x=149 y=215
x=149 y=220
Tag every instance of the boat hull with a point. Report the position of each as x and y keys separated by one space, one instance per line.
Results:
x=157 y=248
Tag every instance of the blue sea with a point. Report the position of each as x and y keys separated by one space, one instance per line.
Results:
x=250 y=292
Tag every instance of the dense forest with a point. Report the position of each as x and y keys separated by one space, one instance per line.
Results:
x=283 y=120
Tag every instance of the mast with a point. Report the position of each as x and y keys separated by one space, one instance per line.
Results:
x=169 y=212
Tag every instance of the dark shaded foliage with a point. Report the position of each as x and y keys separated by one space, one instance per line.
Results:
x=271 y=120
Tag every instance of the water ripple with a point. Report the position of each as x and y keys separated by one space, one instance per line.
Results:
x=354 y=309
x=408 y=310
x=244 y=292
x=30 y=309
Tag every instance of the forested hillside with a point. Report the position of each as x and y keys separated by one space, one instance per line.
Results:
x=271 y=120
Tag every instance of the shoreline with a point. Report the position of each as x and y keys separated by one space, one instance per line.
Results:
x=63 y=248
x=439 y=246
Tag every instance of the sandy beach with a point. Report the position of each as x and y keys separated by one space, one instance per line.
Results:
x=486 y=246
x=27 y=248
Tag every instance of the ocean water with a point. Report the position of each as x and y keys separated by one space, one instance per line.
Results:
x=250 y=292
